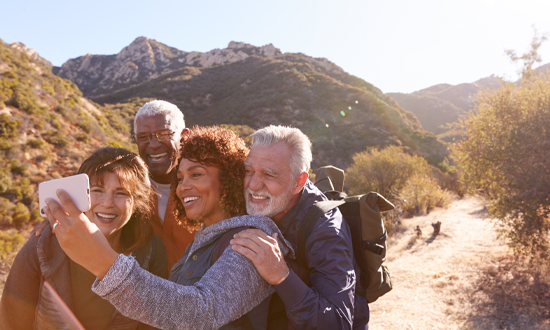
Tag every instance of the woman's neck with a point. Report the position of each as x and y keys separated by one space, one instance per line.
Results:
x=218 y=218
x=114 y=240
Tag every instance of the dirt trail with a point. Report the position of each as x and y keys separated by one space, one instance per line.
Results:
x=436 y=277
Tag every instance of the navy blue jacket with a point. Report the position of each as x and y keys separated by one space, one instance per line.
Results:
x=329 y=302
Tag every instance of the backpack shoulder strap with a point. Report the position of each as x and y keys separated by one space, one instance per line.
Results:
x=312 y=215
x=223 y=242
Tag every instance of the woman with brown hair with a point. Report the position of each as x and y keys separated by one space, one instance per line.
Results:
x=211 y=285
x=120 y=195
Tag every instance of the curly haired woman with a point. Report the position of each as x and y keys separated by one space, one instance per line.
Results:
x=205 y=293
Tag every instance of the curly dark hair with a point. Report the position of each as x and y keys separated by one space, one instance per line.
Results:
x=221 y=148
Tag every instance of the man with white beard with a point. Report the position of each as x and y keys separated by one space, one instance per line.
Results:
x=277 y=186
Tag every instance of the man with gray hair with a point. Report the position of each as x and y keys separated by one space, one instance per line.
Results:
x=158 y=128
x=276 y=185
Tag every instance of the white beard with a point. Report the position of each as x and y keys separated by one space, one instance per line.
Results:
x=276 y=204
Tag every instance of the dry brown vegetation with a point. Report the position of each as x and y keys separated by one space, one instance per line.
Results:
x=462 y=278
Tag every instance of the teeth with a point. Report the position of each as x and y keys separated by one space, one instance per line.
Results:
x=159 y=155
x=106 y=216
x=189 y=199
x=259 y=196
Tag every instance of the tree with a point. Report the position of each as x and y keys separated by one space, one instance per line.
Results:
x=531 y=57
x=506 y=157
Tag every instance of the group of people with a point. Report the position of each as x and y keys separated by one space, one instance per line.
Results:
x=197 y=232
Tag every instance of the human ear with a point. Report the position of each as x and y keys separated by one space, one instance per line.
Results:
x=300 y=182
x=185 y=132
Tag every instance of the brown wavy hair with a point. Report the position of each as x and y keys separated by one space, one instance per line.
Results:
x=221 y=148
x=133 y=175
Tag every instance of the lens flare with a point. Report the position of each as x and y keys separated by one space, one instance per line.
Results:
x=349 y=108
x=343 y=113
x=356 y=102
x=326 y=125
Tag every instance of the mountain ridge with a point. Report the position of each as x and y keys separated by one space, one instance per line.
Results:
x=258 y=86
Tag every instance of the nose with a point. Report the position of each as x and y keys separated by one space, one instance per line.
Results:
x=154 y=143
x=183 y=186
x=254 y=182
x=108 y=199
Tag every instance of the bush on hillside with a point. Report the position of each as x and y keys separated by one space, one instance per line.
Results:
x=384 y=171
x=406 y=180
x=10 y=242
x=421 y=194
x=6 y=208
x=8 y=127
x=506 y=158
x=5 y=180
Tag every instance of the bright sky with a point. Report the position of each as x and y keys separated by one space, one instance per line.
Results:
x=396 y=45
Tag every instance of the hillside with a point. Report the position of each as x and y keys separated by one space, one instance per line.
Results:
x=439 y=105
x=257 y=86
x=46 y=129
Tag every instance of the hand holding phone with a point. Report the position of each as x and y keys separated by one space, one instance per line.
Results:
x=77 y=186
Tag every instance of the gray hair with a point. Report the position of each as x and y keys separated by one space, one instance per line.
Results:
x=298 y=142
x=174 y=114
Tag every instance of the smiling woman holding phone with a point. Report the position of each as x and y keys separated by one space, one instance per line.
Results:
x=120 y=195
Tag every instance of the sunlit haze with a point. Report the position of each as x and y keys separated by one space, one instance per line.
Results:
x=398 y=46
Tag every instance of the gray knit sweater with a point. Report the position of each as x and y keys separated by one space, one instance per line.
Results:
x=228 y=290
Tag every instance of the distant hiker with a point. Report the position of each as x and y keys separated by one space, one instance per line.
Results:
x=158 y=128
x=418 y=231
x=437 y=227
x=277 y=186
x=120 y=207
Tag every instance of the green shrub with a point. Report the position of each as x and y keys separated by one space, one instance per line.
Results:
x=115 y=144
x=420 y=193
x=17 y=167
x=21 y=214
x=37 y=143
x=5 y=180
x=8 y=127
x=384 y=171
x=57 y=139
x=10 y=242
x=82 y=137
x=36 y=217
x=5 y=211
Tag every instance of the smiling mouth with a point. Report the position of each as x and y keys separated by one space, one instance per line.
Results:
x=190 y=199
x=258 y=198
x=103 y=217
x=158 y=158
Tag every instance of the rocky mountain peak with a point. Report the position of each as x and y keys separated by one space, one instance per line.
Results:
x=34 y=56
x=266 y=50
x=144 y=59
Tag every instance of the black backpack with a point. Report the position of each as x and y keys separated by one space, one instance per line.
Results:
x=362 y=214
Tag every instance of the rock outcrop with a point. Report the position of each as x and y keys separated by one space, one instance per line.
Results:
x=144 y=59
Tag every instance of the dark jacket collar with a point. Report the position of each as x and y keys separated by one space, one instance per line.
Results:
x=310 y=194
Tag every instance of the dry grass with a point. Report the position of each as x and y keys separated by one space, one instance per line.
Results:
x=462 y=278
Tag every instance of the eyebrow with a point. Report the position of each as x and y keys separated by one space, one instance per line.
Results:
x=191 y=168
x=267 y=169
x=102 y=186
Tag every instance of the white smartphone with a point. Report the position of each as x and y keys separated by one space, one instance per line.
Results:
x=77 y=186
